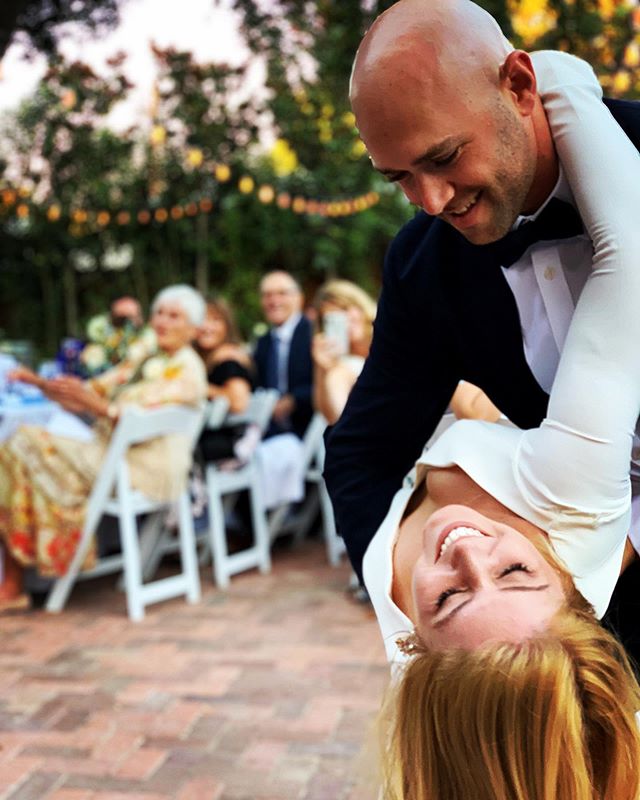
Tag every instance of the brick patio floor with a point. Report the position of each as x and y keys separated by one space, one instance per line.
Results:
x=264 y=692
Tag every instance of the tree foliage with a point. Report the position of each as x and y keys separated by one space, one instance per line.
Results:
x=169 y=191
x=37 y=23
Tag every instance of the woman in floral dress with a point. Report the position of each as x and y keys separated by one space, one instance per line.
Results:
x=45 y=480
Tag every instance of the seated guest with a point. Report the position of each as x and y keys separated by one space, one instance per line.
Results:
x=283 y=355
x=345 y=314
x=114 y=337
x=229 y=373
x=45 y=480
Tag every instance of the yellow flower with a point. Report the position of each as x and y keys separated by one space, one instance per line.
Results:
x=358 y=148
x=621 y=82
x=327 y=110
x=158 y=135
x=222 y=173
x=194 y=157
x=531 y=19
x=632 y=55
x=606 y=8
x=283 y=158
x=349 y=119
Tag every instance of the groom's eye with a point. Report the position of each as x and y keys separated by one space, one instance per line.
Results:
x=448 y=159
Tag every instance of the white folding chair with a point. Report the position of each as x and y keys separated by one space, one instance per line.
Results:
x=216 y=412
x=156 y=540
x=282 y=522
x=112 y=495
x=224 y=483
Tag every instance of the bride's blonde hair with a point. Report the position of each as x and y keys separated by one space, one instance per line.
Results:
x=549 y=718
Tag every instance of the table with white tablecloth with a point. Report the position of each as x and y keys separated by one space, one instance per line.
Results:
x=45 y=413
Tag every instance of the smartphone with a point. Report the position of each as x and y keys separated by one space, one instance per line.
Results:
x=336 y=326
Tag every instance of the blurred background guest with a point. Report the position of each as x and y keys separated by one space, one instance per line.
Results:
x=114 y=337
x=45 y=480
x=283 y=355
x=230 y=374
x=341 y=345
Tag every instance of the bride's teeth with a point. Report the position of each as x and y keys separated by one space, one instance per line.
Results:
x=458 y=533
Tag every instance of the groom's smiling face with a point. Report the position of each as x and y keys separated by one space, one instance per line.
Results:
x=464 y=155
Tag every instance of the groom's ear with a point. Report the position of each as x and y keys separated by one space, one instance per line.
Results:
x=518 y=79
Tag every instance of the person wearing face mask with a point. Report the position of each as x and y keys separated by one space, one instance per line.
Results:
x=46 y=479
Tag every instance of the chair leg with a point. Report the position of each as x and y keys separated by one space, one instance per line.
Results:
x=334 y=543
x=59 y=593
x=188 y=548
x=132 y=563
x=277 y=519
x=217 y=532
x=260 y=526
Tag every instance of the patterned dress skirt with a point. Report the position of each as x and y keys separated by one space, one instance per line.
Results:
x=46 y=480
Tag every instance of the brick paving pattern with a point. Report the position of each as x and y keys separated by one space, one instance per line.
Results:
x=265 y=692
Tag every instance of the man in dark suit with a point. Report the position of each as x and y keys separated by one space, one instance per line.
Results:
x=481 y=284
x=283 y=355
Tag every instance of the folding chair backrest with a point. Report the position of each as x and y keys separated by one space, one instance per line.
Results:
x=312 y=439
x=216 y=412
x=260 y=409
x=138 y=425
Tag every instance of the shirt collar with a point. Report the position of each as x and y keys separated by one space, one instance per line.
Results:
x=285 y=331
x=561 y=190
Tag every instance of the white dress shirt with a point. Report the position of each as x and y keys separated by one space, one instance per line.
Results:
x=282 y=335
x=570 y=476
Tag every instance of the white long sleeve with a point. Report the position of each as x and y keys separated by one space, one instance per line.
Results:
x=579 y=457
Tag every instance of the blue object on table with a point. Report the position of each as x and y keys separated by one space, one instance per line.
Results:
x=68 y=357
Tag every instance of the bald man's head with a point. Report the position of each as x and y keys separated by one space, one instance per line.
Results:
x=431 y=38
x=449 y=109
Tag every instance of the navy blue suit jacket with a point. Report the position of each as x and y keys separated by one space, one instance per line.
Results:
x=442 y=318
x=299 y=375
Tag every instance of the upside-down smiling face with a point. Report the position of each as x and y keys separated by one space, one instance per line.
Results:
x=480 y=580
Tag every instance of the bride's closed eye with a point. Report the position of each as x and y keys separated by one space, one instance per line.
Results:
x=447 y=593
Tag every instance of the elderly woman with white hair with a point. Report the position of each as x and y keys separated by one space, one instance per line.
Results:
x=45 y=480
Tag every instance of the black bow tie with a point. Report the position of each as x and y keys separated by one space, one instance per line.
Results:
x=557 y=220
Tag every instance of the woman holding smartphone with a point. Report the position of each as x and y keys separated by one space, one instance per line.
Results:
x=345 y=320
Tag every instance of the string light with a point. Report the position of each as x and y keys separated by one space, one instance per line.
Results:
x=82 y=220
